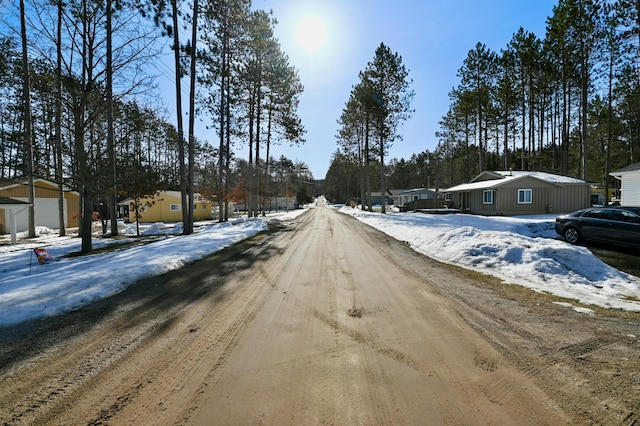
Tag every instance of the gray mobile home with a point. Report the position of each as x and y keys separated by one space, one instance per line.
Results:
x=511 y=193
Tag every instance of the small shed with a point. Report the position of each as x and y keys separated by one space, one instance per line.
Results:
x=630 y=184
x=511 y=193
x=45 y=204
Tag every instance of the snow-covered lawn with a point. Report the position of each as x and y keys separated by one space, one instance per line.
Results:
x=523 y=251
x=29 y=290
x=520 y=250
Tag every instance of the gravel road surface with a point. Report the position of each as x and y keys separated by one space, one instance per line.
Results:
x=322 y=321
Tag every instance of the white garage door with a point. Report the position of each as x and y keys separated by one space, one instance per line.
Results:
x=46 y=214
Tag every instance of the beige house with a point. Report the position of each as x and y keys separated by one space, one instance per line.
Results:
x=166 y=206
x=45 y=205
x=511 y=193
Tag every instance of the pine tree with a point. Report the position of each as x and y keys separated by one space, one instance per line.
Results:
x=386 y=82
x=478 y=75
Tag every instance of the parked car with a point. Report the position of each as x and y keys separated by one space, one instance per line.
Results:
x=614 y=225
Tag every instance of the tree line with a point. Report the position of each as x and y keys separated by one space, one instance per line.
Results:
x=79 y=103
x=568 y=103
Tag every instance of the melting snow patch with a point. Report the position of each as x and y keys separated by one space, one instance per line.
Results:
x=576 y=308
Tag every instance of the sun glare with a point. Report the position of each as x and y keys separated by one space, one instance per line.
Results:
x=311 y=33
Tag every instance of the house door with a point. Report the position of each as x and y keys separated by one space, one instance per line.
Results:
x=464 y=201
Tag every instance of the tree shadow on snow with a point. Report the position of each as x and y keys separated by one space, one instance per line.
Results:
x=154 y=303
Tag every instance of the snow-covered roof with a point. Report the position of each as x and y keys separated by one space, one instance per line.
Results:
x=548 y=177
x=413 y=191
x=504 y=177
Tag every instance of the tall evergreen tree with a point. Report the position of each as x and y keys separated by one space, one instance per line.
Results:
x=353 y=139
x=526 y=48
x=506 y=101
x=561 y=46
x=28 y=139
x=387 y=84
x=478 y=75
x=225 y=28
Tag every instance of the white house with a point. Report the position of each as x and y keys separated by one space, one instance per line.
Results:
x=630 y=187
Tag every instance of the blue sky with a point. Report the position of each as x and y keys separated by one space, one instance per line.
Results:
x=433 y=38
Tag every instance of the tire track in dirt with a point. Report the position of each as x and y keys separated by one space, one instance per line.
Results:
x=304 y=328
x=531 y=330
x=45 y=388
x=193 y=366
x=131 y=343
x=387 y=351
x=170 y=364
x=328 y=279
x=485 y=361
x=579 y=350
x=371 y=257
x=379 y=385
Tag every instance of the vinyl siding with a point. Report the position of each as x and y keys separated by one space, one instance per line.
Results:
x=160 y=210
x=570 y=198
x=545 y=199
x=630 y=189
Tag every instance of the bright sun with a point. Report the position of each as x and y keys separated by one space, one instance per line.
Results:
x=311 y=33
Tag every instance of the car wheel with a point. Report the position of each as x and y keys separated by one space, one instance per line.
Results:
x=571 y=235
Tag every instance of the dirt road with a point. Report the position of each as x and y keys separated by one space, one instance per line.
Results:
x=326 y=321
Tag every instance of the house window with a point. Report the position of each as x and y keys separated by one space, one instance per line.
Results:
x=204 y=207
x=524 y=196
x=487 y=197
x=175 y=207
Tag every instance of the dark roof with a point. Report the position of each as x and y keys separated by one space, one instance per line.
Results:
x=631 y=168
x=9 y=201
